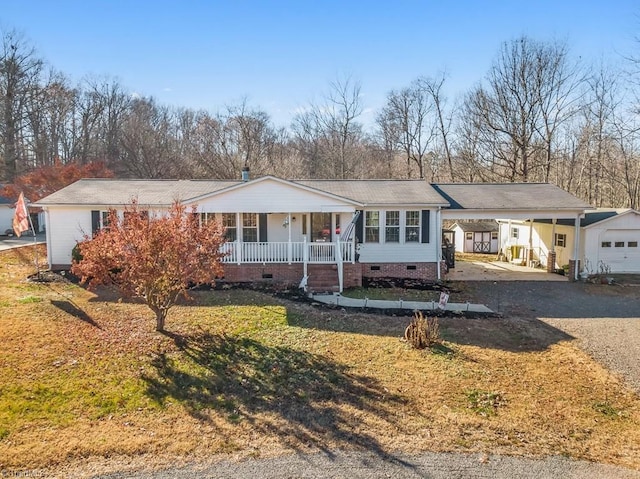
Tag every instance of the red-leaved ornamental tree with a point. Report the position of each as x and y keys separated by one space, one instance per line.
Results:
x=43 y=181
x=156 y=258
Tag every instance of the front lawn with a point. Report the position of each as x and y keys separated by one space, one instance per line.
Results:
x=85 y=377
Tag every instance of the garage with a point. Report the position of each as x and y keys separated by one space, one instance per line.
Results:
x=618 y=250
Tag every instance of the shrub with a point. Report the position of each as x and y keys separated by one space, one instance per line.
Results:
x=422 y=332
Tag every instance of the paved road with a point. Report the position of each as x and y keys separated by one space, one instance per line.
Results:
x=368 y=466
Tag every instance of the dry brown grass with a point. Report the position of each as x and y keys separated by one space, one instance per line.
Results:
x=85 y=377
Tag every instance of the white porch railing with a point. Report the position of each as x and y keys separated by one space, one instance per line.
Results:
x=288 y=252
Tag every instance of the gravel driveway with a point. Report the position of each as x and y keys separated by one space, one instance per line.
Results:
x=605 y=319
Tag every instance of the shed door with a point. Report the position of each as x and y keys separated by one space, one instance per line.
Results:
x=482 y=242
x=619 y=251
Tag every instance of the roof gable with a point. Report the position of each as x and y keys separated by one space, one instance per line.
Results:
x=601 y=216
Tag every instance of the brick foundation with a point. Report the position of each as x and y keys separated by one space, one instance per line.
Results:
x=275 y=273
x=423 y=271
x=325 y=276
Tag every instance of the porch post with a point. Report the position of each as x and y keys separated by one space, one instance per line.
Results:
x=530 y=253
x=576 y=249
x=289 y=246
x=239 y=237
x=305 y=255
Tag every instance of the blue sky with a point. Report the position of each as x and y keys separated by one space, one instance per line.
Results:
x=281 y=55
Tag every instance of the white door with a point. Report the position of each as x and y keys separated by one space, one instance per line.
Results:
x=482 y=242
x=619 y=251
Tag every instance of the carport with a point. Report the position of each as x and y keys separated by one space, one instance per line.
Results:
x=517 y=202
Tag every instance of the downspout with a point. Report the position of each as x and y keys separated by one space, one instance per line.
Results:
x=48 y=235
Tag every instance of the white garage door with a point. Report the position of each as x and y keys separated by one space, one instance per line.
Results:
x=619 y=250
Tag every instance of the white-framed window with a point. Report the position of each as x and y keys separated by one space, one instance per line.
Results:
x=515 y=233
x=560 y=239
x=372 y=227
x=392 y=227
x=412 y=227
x=207 y=217
x=250 y=227
x=229 y=223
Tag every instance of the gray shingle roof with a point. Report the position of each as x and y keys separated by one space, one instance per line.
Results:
x=98 y=191
x=380 y=192
x=508 y=196
x=477 y=225
x=164 y=192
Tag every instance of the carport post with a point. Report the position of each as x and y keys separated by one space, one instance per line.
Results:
x=576 y=248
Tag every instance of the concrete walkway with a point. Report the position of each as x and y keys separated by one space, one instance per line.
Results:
x=339 y=300
x=498 y=271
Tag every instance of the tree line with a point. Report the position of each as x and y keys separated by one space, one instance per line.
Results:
x=538 y=115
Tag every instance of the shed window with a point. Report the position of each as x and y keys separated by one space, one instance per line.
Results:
x=494 y=235
x=560 y=239
x=412 y=227
x=372 y=227
x=606 y=244
x=392 y=227
x=469 y=236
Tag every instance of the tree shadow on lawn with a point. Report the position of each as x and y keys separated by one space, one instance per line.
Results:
x=74 y=310
x=306 y=399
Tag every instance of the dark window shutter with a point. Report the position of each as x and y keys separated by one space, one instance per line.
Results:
x=360 y=227
x=95 y=221
x=262 y=227
x=426 y=216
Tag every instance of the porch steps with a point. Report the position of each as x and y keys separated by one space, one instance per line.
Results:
x=323 y=278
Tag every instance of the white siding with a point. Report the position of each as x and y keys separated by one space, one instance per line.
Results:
x=402 y=252
x=623 y=228
x=6 y=217
x=272 y=196
x=66 y=226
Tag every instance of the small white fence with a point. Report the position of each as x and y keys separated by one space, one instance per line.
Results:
x=288 y=252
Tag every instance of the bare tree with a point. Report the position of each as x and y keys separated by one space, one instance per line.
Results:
x=528 y=93
x=20 y=70
x=408 y=111
x=443 y=119
x=329 y=136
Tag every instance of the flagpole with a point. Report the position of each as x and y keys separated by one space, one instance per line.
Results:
x=35 y=242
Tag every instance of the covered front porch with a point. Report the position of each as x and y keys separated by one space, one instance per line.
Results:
x=278 y=239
